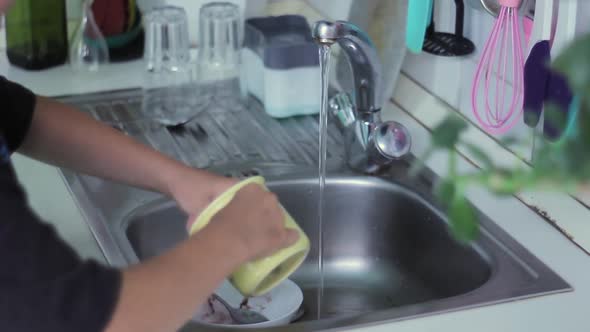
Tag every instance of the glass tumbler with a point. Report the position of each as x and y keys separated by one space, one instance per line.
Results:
x=168 y=89
x=219 y=41
x=89 y=50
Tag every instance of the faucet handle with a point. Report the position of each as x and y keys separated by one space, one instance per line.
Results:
x=342 y=109
x=392 y=140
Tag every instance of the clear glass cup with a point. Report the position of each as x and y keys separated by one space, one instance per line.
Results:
x=89 y=50
x=169 y=90
x=220 y=41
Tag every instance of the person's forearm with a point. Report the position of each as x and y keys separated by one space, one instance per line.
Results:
x=162 y=294
x=66 y=137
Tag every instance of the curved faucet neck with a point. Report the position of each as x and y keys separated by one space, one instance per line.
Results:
x=363 y=59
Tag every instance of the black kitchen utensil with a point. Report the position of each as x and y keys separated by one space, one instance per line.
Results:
x=445 y=43
x=536 y=81
x=543 y=86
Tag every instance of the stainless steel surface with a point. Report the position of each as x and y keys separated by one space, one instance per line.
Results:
x=388 y=253
x=366 y=100
x=392 y=140
x=370 y=144
x=226 y=130
x=239 y=315
x=366 y=67
x=234 y=138
x=341 y=108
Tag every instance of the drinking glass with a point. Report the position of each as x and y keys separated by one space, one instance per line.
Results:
x=169 y=90
x=219 y=41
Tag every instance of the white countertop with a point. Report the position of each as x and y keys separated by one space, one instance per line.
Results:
x=51 y=199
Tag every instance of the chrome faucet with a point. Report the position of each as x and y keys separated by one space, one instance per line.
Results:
x=371 y=144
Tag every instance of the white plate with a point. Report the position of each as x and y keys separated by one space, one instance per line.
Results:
x=280 y=306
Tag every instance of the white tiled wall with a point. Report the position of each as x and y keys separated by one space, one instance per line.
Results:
x=451 y=78
x=583 y=21
x=583 y=26
x=334 y=9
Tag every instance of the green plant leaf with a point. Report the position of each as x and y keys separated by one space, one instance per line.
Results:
x=560 y=166
x=531 y=117
x=447 y=133
x=584 y=120
x=419 y=163
x=464 y=222
x=554 y=117
x=509 y=140
x=575 y=64
x=480 y=155
x=509 y=181
x=445 y=192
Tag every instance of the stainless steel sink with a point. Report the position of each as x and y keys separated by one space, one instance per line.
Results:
x=388 y=254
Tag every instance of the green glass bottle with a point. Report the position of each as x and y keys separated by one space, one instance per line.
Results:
x=36 y=34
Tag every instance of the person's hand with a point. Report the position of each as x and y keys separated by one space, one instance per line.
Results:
x=194 y=189
x=253 y=224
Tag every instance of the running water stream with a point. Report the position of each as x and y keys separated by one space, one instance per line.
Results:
x=323 y=129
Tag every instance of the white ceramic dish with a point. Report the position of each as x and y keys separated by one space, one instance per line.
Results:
x=280 y=306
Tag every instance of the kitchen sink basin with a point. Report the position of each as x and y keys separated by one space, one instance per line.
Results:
x=383 y=246
x=387 y=250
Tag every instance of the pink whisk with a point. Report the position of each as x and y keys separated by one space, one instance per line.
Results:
x=502 y=48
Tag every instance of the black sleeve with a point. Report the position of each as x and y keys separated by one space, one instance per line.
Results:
x=44 y=285
x=16 y=112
